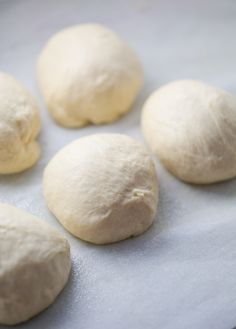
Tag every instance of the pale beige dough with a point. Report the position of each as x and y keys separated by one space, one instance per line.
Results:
x=102 y=188
x=191 y=127
x=19 y=126
x=88 y=74
x=34 y=265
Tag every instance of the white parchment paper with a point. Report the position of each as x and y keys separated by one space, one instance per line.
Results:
x=182 y=272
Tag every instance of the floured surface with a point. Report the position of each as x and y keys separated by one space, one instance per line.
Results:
x=182 y=272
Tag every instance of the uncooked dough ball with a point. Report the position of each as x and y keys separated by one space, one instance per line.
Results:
x=102 y=188
x=88 y=74
x=19 y=126
x=34 y=265
x=191 y=127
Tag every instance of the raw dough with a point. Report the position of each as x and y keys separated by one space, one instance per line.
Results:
x=87 y=74
x=102 y=188
x=191 y=127
x=34 y=265
x=19 y=126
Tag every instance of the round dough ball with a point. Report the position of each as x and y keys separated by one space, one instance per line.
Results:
x=191 y=127
x=88 y=74
x=34 y=265
x=102 y=188
x=19 y=126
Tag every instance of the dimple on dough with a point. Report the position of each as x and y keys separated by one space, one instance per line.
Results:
x=191 y=127
x=34 y=265
x=19 y=126
x=102 y=188
x=88 y=74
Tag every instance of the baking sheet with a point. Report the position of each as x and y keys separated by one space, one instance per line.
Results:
x=182 y=272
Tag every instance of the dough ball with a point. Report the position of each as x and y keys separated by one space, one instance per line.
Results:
x=191 y=127
x=19 y=126
x=102 y=188
x=88 y=74
x=34 y=265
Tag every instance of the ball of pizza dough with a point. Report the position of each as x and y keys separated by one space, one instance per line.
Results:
x=34 y=265
x=19 y=126
x=191 y=127
x=88 y=74
x=102 y=188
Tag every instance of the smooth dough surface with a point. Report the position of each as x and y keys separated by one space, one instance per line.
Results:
x=191 y=127
x=88 y=74
x=34 y=265
x=19 y=126
x=102 y=188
